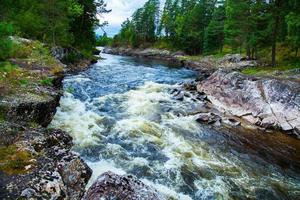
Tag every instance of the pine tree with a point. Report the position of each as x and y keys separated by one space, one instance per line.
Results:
x=237 y=23
x=293 y=23
x=214 y=32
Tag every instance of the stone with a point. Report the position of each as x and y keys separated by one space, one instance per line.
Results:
x=232 y=122
x=180 y=96
x=203 y=118
x=189 y=86
x=208 y=118
x=56 y=171
x=267 y=102
x=251 y=119
x=113 y=186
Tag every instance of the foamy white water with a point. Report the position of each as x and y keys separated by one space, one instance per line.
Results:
x=123 y=119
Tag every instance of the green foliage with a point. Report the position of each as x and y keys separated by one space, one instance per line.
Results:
x=83 y=27
x=268 y=70
x=208 y=26
x=47 y=81
x=293 y=22
x=56 y=22
x=104 y=40
x=5 y=42
x=7 y=67
x=35 y=52
x=214 y=32
x=23 y=82
x=143 y=27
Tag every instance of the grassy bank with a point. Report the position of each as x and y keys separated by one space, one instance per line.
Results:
x=29 y=66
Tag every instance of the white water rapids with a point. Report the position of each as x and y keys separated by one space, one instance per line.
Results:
x=123 y=119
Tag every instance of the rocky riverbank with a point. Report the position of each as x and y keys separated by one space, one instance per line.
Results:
x=36 y=162
x=262 y=102
x=206 y=64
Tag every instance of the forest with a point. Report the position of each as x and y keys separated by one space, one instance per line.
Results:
x=67 y=23
x=258 y=29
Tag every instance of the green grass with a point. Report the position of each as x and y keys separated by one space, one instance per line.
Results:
x=7 y=67
x=268 y=70
x=14 y=161
x=47 y=81
x=35 y=52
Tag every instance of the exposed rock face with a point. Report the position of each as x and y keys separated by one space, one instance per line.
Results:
x=269 y=103
x=62 y=54
x=53 y=171
x=31 y=108
x=74 y=59
x=113 y=186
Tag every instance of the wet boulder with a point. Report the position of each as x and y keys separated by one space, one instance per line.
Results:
x=179 y=96
x=208 y=118
x=190 y=86
x=113 y=186
x=232 y=122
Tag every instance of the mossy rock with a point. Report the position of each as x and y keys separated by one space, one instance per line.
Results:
x=14 y=161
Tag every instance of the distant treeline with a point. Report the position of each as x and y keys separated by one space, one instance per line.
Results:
x=55 y=22
x=207 y=26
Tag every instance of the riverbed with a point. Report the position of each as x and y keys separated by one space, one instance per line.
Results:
x=123 y=118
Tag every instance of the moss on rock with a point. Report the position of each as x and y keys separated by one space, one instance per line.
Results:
x=14 y=161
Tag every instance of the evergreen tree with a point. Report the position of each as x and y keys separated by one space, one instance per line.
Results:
x=237 y=24
x=214 y=33
x=197 y=26
x=293 y=23
x=5 y=42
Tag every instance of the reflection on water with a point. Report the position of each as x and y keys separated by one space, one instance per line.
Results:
x=123 y=119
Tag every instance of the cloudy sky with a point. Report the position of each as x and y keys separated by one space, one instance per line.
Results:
x=121 y=10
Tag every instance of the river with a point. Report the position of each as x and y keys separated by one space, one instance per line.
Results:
x=124 y=119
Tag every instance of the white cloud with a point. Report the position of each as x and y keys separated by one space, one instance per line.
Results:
x=121 y=10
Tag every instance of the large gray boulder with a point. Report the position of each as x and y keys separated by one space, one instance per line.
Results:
x=269 y=103
x=113 y=186
x=40 y=165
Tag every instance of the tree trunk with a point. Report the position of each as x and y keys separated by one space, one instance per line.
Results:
x=248 y=52
x=296 y=53
x=274 y=41
x=275 y=31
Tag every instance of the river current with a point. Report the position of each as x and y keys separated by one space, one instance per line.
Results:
x=124 y=119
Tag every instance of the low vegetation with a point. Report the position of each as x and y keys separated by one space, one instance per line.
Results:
x=29 y=64
x=14 y=161
x=286 y=62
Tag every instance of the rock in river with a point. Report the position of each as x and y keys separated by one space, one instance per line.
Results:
x=113 y=186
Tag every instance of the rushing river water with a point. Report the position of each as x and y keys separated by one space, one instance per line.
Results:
x=123 y=119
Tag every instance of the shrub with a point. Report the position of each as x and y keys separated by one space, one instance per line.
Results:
x=5 y=42
x=47 y=82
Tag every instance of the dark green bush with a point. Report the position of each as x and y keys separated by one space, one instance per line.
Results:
x=6 y=44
